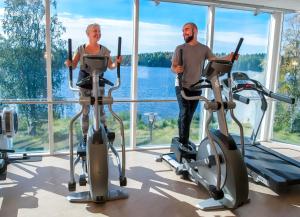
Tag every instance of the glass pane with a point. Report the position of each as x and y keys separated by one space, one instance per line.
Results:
x=23 y=70
x=287 y=117
x=114 y=23
x=160 y=33
x=22 y=35
x=157 y=124
x=32 y=135
x=229 y=28
x=64 y=113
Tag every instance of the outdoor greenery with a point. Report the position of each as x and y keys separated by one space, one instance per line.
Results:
x=287 y=117
x=247 y=62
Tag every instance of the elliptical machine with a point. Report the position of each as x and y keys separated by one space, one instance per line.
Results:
x=8 y=129
x=94 y=157
x=217 y=163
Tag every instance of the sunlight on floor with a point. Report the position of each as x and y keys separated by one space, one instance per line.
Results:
x=261 y=189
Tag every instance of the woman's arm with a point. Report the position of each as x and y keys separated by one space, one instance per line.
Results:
x=74 y=62
x=113 y=65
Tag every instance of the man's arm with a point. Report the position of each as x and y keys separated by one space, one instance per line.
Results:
x=175 y=67
x=210 y=56
x=227 y=58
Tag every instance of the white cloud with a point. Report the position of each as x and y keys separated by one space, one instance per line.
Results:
x=152 y=35
x=249 y=39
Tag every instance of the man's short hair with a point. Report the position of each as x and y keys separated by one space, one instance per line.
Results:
x=192 y=24
x=93 y=25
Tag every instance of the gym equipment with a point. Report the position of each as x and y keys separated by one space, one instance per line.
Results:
x=8 y=129
x=216 y=163
x=265 y=165
x=94 y=156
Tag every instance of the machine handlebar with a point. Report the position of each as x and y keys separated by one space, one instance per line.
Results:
x=181 y=64
x=236 y=52
x=119 y=54
x=281 y=97
x=70 y=58
x=241 y=98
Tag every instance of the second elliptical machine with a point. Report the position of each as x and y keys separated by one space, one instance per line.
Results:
x=216 y=163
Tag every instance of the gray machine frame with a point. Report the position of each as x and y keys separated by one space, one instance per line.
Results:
x=96 y=162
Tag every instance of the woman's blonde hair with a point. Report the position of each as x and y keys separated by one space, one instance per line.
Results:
x=92 y=26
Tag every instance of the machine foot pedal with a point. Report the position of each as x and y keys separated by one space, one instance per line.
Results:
x=82 y=180
x=123 y=181
x=72 y=186
x=210 y=204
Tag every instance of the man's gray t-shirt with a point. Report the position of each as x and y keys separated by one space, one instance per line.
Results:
x=81 y=50
x=194 y=57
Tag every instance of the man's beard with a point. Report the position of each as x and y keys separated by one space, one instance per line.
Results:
x=188 y=39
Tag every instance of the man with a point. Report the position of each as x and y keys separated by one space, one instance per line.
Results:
x=194 y=56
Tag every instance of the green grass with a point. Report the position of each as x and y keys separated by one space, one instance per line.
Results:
x=163 y=132
x=286 y=137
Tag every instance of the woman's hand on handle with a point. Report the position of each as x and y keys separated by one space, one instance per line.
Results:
x=118 y=59
x=68 y=63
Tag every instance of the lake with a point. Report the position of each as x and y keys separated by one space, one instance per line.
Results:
x=153 y=83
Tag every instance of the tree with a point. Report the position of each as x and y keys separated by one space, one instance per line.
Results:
x=22 y=55
x=289 y=81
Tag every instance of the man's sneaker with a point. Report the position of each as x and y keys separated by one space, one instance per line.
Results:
x=106 y=129
x=84 y=141
x=187 y=148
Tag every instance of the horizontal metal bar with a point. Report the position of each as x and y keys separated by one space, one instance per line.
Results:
x=73 y=101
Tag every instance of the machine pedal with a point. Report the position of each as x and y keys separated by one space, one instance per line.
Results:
x=72 y=186
x=123 y=181
x=82 y=180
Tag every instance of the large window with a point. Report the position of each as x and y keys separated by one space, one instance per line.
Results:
x=160 y=32
x=286 y=126
x=23 y=58
x=115 y=19
x=230 y=26
x=23 y=69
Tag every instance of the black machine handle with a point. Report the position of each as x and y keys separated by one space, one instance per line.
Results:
x=70 y=58
x=236 y=52
x=283 y=98
x=241 y=98
x=103 y=81
x=119 y=54
x=181 y=64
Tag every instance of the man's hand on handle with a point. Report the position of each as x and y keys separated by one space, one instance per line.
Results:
x=178 y=69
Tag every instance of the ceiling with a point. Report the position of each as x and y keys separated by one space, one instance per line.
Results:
x=283 y=4
x=269 y=5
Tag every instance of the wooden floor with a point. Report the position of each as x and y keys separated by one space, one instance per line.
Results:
x=39 y=189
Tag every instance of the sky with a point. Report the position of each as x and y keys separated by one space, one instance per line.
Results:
x=160 y=25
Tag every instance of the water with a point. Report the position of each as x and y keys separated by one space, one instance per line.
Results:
x=153 y=83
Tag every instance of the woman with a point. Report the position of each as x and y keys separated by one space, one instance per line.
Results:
x=93 y=33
